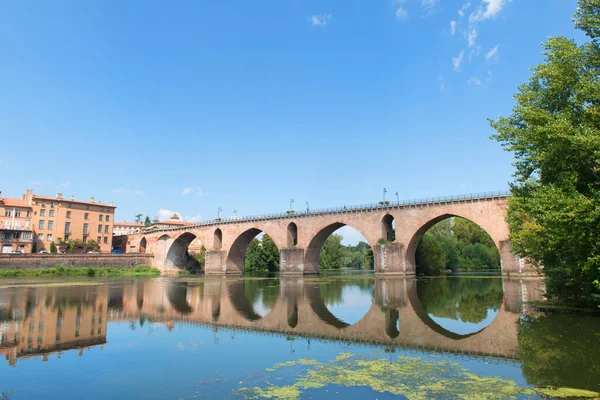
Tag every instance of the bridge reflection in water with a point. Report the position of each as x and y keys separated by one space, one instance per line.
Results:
x=39 y=320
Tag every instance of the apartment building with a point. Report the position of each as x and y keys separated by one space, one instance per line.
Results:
x=127 y=228
x=57 y=217
x=16 y=227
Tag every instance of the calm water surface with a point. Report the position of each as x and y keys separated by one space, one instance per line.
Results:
x=315 y=338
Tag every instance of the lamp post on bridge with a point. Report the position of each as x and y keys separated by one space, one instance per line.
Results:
x=219 y=213
x=307 y=208
x=291 y=204
x=398 y=197
x=384 y=192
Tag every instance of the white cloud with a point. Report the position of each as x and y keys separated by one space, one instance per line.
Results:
x=196 y=191
x=492 y=54
x=429 y=3
x=488 y=9
x=195 y=219
x=401 y=13
x=474 y=81
x=452 y=27
x=464 y=8
x=320 y=20
x=50 y=183
x=129 y=191
x=165 y=214
x=456 y=61
x=472 y=37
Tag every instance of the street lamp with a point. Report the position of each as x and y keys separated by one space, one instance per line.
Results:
x=235 y=212
x=307 y=208
x=384 y=192
x=398 y=197
x=291 y=204
x=219 y=212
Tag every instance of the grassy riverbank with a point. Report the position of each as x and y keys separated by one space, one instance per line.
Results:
x=81 y=271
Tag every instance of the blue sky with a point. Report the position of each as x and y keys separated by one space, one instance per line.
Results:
x=188 y=106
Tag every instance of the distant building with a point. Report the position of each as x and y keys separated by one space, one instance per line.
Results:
x=127 y=228
x=57 y=217
x=16 y=226
x=174 y=222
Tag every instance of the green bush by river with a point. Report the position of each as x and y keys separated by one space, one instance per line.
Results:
x=81 y=271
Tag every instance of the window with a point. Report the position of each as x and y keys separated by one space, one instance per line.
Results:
x=100 y=217
x=51 y=213
x=85 y=228
x=68 y=214
x=87 y=207
x=7 y=213
x=107 y=218
x=67 y=228
x=50 y=224
x=99 y=238
x=41 y=225
x=41 y=237
x=105 y=239
x=28 y=214
x=43 y=204
x=49 y=237
x=86 y=216
x=52 y=204
x=84 y=239
x=42 y=213
x=66 y=237
x=99 y=228
x=18 y=213
x=68 y=205
x=105 y=228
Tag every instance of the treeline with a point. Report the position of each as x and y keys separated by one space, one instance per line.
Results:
x=456 y=244
x=334 y=255
x=262 y=256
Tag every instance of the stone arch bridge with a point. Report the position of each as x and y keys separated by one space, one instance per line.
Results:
x=392 y=230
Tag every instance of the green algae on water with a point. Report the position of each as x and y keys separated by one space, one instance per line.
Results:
x=412 y=377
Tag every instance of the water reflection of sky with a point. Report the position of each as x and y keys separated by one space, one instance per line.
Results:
x=465 y=328
x=260 y=307
x=355 y=303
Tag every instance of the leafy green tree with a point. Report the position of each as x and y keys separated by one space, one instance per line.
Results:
x=431 y=259
x=554 y=133
x=52 y=248
x=138 y=218
x=270 y=253
x=262 y=255
x=147 y=221
x=332 y=253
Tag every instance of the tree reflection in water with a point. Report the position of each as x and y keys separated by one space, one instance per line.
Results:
x=262 y=294
x=469 y=300
x=560 y=350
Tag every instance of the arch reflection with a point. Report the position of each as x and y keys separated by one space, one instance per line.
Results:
x=254 y=298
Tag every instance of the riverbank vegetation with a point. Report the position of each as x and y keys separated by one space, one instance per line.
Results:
x=334 y=255
x=262 y=255
x=554 y=134
x=456 y=244
x=81 y=271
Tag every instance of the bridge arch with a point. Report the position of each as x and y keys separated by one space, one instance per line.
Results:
x=236 y=256
x=292 y=234
x=413 y=243
x=142 y=245
x=177 y=255
x=313 y=250
x=388 y=231
x=217 y=239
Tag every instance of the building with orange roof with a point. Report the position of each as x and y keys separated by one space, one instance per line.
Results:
x=16 y=225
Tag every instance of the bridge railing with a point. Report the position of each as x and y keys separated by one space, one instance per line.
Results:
x=425 y=201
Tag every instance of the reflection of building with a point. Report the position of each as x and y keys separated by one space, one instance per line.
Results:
x=127 y=228
x=46 y=321
x=16 y=232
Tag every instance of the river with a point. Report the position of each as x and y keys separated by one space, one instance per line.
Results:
x=346 y=336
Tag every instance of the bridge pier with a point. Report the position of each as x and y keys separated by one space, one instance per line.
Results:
x=291 y=261
x=389 y=259
x=215 y=263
